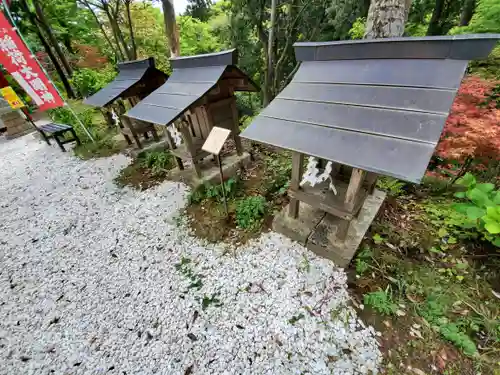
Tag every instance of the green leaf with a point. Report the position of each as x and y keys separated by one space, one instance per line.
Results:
x=496 y=198
x=492 y=227
x=494 y=213
x=475 y=213
x=467 y=180
x=452 y=240
x=496 y=241
x=377 y=238
x=479 y=197
x=485 y=187
x=460 y=194
x=435 y=250
x=442 y=232
x=461 y=266
x=462 y=207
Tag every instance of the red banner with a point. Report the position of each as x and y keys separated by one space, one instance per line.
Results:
x=21 y=64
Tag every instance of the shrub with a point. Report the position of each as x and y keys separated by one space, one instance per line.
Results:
x=250 y=211
x=89 y=81
x=64 y=116
x=482 y=209
x=158 y=161
x=471 y=134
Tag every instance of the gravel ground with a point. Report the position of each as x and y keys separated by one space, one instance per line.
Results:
x=96 y=279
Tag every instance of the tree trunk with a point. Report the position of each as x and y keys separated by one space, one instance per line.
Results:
x=467 y=12
x=171 y=27
x=268 y=79
x=434 y=24
x=386 y=18
x=113 y=25
x=46 y=27
x=131 y=31
x=117 y=52
x=46 y=46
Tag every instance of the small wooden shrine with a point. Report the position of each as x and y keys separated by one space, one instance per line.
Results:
x=360 y=109
x=198 y=96
x=135 y=80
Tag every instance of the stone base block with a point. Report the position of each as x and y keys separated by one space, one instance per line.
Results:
x=298 y=229
x=317 y=230
x=210 y=170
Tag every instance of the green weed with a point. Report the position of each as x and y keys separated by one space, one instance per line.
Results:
x=392 y=186
x=209 y=191
x=184 y=268
x=362 y=260
x=294 y=319
x=381 y=301
x=208 y=301
x=250 y=211
x=158 y=162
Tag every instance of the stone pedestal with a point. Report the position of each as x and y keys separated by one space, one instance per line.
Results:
x=210 y=170
x=15 y=124
x=317 y=230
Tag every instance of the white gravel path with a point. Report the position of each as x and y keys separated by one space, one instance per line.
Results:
x=89 y=284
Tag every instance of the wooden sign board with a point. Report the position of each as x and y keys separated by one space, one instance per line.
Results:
x=215 y=140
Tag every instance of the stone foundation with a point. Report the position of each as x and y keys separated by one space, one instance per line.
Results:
x=16 y=125
x=317 y=230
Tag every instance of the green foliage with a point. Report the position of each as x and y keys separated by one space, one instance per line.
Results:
x=362 y=260
x=434 y=311
x=199 y=9
x=87 y=116
x=357 y=30
x=280 y=171
x=209 y=191
x=103 y=147
x=158 y=162
x=381 y=301
x=486 y=19
x=196 y=37
x=346 y=15
x=493 y=98
x=392 y=186
x=452 y=333
x=89 y=81
x=250 y=211
x=482 y=208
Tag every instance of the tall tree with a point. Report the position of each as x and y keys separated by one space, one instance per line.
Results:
x=387 y=18
x=131 y=30
x=32 y=17
x=444 y=16
x=270 y=54
x=47 y=29
x=467 y=12
x=171 y=27
x=199 y=9
x=115 y=49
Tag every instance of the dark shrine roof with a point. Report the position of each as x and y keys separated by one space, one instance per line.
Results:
x=130 y=73
x=191 y=79
x=379 y=105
